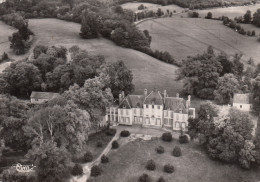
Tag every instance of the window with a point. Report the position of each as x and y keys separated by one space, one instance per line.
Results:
x=141 y=112
x=121 y=111
x=240 y=106
x=166 y=113
x=177 y=125
x=158 y=107
x=127 y=112
x=183 y=125
x=171 y=122
x=128 y=120
x=177 y=116
x=171 y=114
x=165 y=121
x=36 y=100
x=146 y=105
x=134 y=111
x=158 y=121
x=153 y=106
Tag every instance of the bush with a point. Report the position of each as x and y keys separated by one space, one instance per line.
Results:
x=124 y=133
x=167 y=137
x=13 y=176
x=95 y=171
x=77 y=170
x=176 y=151
x=4 y=57
x=111 y=132
x=160 y=150
x=150 y=165
x=99 y=144
x=88 y=157
x=144 y=178
x=209 y=15
x=253 y=33
x=161 y=179
x=115 y=145
x=104 y=159
x=168 y=168
x=183 y=139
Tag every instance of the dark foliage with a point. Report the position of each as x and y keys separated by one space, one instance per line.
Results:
x=111 y=132
x=176 y=151
x=115 y=145
x=150 y=165
x=160 y=150
x=168 y=168
x=95 y=171
x=104 y=159
x=161 y=179
x=125 y=133
x=13 y=176
x=99 y=144
x=77 y=170
x=88 y=157
x=183 y=139
x=144 y=178
x=167 y=137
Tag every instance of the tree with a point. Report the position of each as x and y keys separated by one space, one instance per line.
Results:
x=256 y=94
x=13 y=116
x=209 y=15
x=89 y=25
x=247 y=17
x=159 y=12
x=141 y=7
x=120 y=78
x=93 y=96
x=256 y=18
x=52 y=162
x=22 y=78
x=69 y=2
x=65 y=126
x=227 y=86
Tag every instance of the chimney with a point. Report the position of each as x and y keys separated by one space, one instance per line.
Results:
x=188 y=102
x=123 y=95
x=120 y=98
x=164 y=95
x=177 y=95
x=145 y=92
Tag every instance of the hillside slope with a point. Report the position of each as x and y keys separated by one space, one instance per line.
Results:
x=148 y=72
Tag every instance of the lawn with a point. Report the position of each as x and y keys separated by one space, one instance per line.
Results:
x=184 y=37
x=150 y=6
x=231 y=12
x=128 y=163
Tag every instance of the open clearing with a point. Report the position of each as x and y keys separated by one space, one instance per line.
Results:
x=184 y=37
x=230 y=12
x=148 y=72
x=150 y=6
x=128 y=163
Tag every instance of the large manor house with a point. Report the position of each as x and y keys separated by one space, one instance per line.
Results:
x=155 y=109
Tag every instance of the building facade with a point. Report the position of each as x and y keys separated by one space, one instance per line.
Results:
x=242 y=102
x=41 y=97
x=155 y=109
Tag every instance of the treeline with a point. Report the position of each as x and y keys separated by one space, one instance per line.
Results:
x=191 y=4
x=20 y=40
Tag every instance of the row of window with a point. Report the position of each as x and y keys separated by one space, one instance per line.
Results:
x=153 y=106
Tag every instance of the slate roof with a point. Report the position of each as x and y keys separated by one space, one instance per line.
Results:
x=154 y=98
x=242 y=98
x=175 y=104
x=136 y=101
x=125 y=103
x=44 y=95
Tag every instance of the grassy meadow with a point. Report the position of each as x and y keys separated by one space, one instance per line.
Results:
x=128 y=163
x=184 y=37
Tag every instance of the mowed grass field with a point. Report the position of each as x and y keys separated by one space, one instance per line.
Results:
x=230 y=12
x=147 y=71
x=150 y=6
x=128 y=162
x=184 y=37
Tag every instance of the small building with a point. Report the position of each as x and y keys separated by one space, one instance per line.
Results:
x=242 y=102
x=41 y=97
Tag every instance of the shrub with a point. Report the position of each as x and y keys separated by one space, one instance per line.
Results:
x=168 y=168
x=124 y=133
x=183 y=139
x=167 y=137
x=111 y=132
x=253 y=33
x=99 y=144
x=144 y=178
x=95 y=171
x=88 y=157
x=14 y=176
x=160 y=150
x=104 y=159
x=176 y=151
x=161 y=179
x=209 y=15
x=150 y=165
x=77 y=170
x=115 y=145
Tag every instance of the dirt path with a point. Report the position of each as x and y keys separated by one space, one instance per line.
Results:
x=87 y=167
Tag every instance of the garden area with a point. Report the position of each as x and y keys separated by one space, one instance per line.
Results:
x=130 y=161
